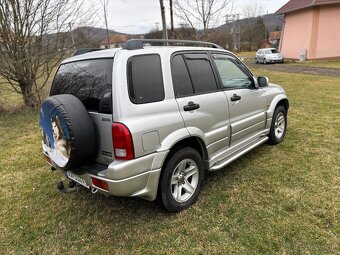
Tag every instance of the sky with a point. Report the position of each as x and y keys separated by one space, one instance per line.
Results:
x=140 y=16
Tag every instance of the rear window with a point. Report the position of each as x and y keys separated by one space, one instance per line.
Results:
x=145 y=80
x=88 y=80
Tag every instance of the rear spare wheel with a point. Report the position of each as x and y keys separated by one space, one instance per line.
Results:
x=69 y=135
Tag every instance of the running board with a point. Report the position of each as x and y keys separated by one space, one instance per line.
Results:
x=236 y=155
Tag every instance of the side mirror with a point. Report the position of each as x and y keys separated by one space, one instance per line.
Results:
x=263 y=81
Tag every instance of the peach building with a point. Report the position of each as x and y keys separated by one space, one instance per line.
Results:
x=311 y=25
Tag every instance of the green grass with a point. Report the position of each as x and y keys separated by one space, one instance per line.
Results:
x=274 y=200
x=9 y=100
x=245 y=54
x=326 y=64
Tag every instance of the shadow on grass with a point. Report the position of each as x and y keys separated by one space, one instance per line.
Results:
x=136 y=210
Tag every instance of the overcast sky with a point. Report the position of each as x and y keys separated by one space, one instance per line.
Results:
x=140 y=16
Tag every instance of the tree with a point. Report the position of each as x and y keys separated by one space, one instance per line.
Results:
x=249 y=33
x=260 y=35
x=34 y=38
x=202 y=13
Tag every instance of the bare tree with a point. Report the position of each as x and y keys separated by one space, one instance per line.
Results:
x=34 y=37
x=202 y=13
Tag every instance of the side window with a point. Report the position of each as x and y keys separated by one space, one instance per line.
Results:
x=145 y=80
x=180 y=77
x=201 y=73
x=231 y=75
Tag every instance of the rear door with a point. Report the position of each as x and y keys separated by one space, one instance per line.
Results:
x=247 y=103
x=91 y=81
x=202 y=104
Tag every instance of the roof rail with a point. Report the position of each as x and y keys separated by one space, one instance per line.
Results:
x=135 y=44
x=85 y=50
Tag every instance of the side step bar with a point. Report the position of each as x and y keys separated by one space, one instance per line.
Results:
x=236 y=155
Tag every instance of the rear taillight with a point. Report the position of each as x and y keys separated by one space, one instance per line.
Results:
x=100 y=184
x=122 y=142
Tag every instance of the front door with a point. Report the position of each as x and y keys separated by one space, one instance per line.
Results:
x=247 y=103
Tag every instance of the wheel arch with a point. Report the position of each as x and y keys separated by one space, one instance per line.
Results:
x=278 y=100
x=194 y=142
x=285 y=103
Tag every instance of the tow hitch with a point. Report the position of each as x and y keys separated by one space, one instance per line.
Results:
x=72 y=186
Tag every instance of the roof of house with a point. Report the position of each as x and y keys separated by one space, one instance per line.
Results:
x=275 y=35
x=295 y=5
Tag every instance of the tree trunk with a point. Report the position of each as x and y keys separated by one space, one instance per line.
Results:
x=30 y=98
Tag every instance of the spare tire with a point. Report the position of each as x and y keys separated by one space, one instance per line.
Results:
x=69 y=134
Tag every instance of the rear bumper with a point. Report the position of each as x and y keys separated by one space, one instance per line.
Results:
x=144 y=185
x=132 y=178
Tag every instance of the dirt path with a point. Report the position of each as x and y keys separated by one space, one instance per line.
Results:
x=298 y=69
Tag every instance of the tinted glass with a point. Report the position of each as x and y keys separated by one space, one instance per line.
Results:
x=180 y=77
x=145 y=79
x=231 y=75
x=201 y=73
x=88 y=80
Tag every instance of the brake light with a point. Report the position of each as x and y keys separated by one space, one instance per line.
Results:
x=122 y=142
x=100 y=184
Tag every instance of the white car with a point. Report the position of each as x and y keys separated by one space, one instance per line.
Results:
x=268 y=55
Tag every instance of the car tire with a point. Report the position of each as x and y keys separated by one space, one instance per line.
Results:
x=264 y=61
x=256 y=61
x=69 y=134
x=181 y=180
x=278 y=126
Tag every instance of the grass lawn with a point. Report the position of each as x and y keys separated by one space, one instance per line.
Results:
x=274 y=200
x=9 y=100
x=327 y=64
x=246 y=54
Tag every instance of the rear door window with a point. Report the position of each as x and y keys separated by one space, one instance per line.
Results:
x=88 y=80
x=180 y=77
x=201 y=73
x=145 y=80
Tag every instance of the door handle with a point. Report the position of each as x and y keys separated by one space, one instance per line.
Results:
x=191 y=106
x=235 y=97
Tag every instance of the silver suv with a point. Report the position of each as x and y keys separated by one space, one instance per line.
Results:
x=150 y=121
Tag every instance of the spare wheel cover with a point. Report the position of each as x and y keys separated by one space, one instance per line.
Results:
x=69 y=135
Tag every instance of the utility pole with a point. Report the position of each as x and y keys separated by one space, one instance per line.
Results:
x=72 y=38
x=165 y=32
x=235 y=30
x=172 y=20
x=157 y=26
x=265 y=34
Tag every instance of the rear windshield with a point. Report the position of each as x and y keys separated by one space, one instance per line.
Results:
x=89 y=80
